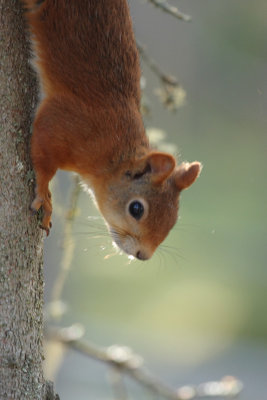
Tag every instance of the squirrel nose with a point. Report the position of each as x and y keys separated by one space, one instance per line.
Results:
x=141 y=256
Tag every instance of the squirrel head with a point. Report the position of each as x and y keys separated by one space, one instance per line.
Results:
x=140 y=201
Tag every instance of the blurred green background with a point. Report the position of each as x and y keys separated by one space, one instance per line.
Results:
x=198 y=309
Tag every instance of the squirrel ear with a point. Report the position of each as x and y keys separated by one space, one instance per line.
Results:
x=161 y=166
x=186 y=174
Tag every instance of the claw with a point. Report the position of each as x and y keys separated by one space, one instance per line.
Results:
x=47 y=230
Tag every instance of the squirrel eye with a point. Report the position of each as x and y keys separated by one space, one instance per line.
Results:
x=136 y=209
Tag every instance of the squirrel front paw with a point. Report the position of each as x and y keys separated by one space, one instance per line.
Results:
x=45 y=228
x=46 y=204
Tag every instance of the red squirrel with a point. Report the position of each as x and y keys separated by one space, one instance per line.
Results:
x=89 y=121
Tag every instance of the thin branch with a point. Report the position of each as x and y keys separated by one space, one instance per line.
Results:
x=170 y=94
x=132 y=364
x=117 y=384
x=68 y=248
x=165 y=78
x=169 y=9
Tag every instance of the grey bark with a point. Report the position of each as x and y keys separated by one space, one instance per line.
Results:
x=21 y=247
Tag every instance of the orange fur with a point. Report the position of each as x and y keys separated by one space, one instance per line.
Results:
x=89 y=120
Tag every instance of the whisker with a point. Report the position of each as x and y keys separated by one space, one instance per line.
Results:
x=172 y=251
x=185 y=227
x=160 y=258
x=107 y=256
x=88 y=233
x=93 y=225
x=94 y=217
x=120 y=232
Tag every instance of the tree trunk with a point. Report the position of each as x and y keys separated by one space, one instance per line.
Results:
x=21 y=247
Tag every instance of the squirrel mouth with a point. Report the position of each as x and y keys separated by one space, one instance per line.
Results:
x=124 y=242
x=128 y=244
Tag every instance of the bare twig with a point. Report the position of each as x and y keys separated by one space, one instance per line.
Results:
x=117 y=383
x=125 y=361
x=166 y=7
x=171 y=94
x=68 y=248
x=165 y=78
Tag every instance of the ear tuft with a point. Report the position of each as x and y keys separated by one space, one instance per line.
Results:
x=161 y=165
x=186 y=174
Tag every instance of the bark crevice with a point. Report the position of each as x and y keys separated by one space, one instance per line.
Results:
x=21 y=242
